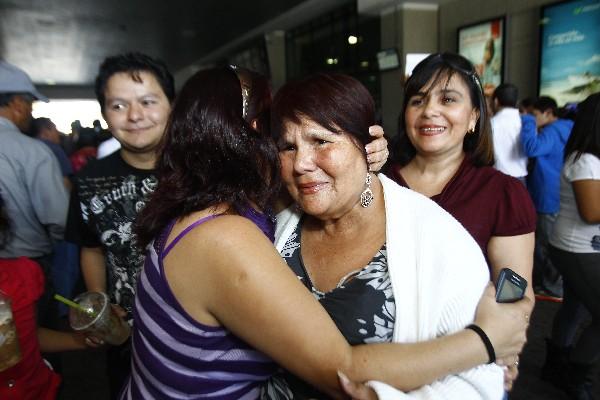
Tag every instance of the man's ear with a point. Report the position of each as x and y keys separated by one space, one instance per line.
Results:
x=254 y=124
x=19 y=105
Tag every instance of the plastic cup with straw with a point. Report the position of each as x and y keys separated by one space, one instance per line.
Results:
x=92 y=313
x=74 y=305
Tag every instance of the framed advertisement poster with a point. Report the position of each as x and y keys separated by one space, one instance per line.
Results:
x=570 y=50
x=483 y=45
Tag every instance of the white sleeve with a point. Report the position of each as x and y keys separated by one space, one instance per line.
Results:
x=107 y=147
x=586 y=167
x=455 y=276
x=286 y=222
x=476 y=383
x=482 y=382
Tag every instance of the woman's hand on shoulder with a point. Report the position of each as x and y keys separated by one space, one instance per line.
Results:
x=504 y=323
x=377 y=150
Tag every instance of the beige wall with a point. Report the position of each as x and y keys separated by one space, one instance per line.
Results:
x=429 y=30
x=276 y=51
x=410 y=31
x=522 y=34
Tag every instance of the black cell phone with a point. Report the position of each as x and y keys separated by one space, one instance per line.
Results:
x=511 y=286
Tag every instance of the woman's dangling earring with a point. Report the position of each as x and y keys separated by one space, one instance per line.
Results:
x=366 y=197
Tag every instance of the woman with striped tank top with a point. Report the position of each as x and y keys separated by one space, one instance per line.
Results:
x=216 y=307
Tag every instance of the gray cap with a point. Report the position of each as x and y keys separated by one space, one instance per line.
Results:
x=15 y=80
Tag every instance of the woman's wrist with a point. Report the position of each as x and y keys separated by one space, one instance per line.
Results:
x=489 y=348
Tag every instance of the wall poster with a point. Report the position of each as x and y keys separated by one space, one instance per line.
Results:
x=483 y=45
x=570 y=51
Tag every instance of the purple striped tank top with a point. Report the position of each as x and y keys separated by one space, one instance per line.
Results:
x=176 y=357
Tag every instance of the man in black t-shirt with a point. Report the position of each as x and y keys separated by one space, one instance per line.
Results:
x=109 y=194
x=135 y=93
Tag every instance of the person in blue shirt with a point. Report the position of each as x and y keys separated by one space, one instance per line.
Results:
x=45 y=130
x=543 y=136
x=65 y=264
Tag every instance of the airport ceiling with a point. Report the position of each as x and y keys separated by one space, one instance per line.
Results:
x=62 y=41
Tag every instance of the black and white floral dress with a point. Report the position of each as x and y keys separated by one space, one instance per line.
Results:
x=362 y=305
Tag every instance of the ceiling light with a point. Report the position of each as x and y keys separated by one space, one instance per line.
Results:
x=352 y=39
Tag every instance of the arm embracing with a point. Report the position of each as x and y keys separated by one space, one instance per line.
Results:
x=483 y=381
x=459 y=310
x=245 y=283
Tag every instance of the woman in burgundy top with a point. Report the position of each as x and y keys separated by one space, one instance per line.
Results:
x=445 y=152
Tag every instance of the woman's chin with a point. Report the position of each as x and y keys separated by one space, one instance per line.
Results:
x=310 y=209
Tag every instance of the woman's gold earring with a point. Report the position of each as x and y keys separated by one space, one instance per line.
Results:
x=366 y=197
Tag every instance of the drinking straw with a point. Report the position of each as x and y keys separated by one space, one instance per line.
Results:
x=72 y=304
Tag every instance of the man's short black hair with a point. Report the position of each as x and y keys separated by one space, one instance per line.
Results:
x=39 y=124
x=134 y=63
x=6 y=97
x=546 y=103
x=507 y=95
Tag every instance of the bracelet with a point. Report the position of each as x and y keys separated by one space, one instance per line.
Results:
x=486 y=341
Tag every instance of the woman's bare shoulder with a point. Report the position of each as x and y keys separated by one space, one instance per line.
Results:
x=228 y=229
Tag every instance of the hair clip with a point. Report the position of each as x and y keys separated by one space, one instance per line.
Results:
x=476 y=79
x=245 y=89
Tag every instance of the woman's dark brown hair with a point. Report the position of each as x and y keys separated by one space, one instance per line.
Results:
x=337 y=102
x=442 y=67
x=256 y=97
x=209 y=155
x=585 y=135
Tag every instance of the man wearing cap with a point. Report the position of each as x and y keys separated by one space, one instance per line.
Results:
x=31 y=182
x=45 y=130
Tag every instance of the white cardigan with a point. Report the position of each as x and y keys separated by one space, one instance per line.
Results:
x=438 y=275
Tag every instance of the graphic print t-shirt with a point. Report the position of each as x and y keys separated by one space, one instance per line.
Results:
x=105 y=201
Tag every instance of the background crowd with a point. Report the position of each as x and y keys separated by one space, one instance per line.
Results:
x=521 y=176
